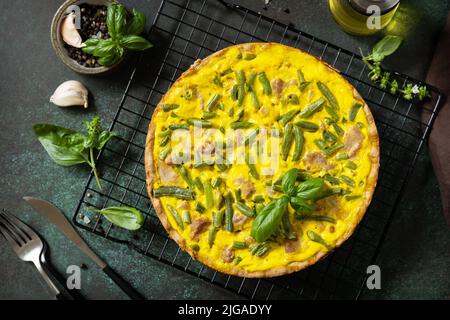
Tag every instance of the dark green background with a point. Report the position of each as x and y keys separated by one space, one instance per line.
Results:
x=415 y=258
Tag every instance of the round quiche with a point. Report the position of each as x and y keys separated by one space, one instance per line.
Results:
x=261 y=159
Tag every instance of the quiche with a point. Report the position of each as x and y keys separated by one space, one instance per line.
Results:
x=261 y=159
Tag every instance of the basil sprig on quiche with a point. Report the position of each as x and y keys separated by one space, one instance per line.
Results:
x=261 y=159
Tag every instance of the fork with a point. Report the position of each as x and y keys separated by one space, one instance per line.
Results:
x=27 y=244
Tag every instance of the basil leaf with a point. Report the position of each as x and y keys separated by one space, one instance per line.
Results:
x=311 y=189
x=288 y=181
x=301 y=206
x=137 y=24
x=104 y=48
x=103 y=138
x=135 y=43
x=385 y=47
x=119 y=19
x=124 y=217
x=109 y=60
x=268 y=219
x=64 y=146
x=110 y=20
x=92 y=42
x=89 y=49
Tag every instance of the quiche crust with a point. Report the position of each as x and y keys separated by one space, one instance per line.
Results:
x=151 y=168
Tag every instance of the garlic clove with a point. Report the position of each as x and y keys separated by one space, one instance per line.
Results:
x=69 y=32
x=70 y=93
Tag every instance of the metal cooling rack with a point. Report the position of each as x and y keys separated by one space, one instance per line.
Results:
x=186 y=30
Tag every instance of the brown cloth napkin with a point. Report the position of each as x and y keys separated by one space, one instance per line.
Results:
x=439 y=141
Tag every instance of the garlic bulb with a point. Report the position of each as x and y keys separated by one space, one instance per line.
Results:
x=70 y=93
x=69 y=32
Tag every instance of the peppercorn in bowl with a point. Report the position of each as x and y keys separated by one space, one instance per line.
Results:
x=261 y=159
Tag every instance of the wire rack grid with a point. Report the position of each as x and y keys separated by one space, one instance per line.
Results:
x=187 y=30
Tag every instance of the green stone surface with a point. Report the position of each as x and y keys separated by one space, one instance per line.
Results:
x=415 y=258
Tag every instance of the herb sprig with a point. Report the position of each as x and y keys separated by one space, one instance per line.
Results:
x=68 y=147
x=124 y=36
x=125 y=217
x=385 y=47
x=300 y=196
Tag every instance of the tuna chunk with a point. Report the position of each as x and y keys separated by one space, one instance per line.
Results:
x=199 y=226
x=166 y=173
x=278 y=86
x=317 y=161
x=247 y=189
x=353 y=140
x=291 y=246
x=228 y=255
x=239 y=219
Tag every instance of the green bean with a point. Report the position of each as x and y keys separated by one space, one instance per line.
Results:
x=334 y=116
x=209 y=115
x=164 y=153
x=164 y=141
x=267 y=89
x=218 y=219
x=289 y=232
x=231 y=112
x=240 y=77
x=331 y=179
x=213 y=101
x=326 y=92
x=310 y=217
x=237 y=260
x=201 y=164
x=222 y=129
x=342 y=156
x=339 y=131
x=174 y=115
x=216 y=182
x=253 y=171
x=181 y=126
x=199 y=123
x=302 y=84
x=292 y=99
x=229 y=213
x=217 y=199
x=176 y=216
x=195 y=247
x=165 y=133
x=354 y=111
x=185 y=174
x=169 y=107
x=186 y=217
x=226 y=71
x=277 y=188
x=248 y=56
x=212 y=236
x=299 y=141
x=239 y=115
x=307 y=126
x=284 y=119
x=188 y=94
x=234 y=92
x=351 y=165
x=259 y=249
x=208 y=194
x=328 y=136
x=254 y=99
x=238 y=195
x=245 y=210
x=331 y=150
x=199 y=184
x=258 y=198
x=352 y=197
x=349 y=181
x=317 y=238
x=217 y=81
x=241 y=125
x=287 y=141
x=222 y=167
x=200 y=208
x=321 y=144
x=312 y=108
x=360 y=125
x=239 y=245
x=251 y=137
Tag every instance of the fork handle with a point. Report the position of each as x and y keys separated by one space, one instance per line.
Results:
x=47 y=279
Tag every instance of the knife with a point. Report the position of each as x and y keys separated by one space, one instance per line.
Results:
x=55 y=216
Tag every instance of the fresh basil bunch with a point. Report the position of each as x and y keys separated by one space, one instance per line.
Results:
x=68 y=147
x=125 y=217
x=300 y=196
x=124 y=35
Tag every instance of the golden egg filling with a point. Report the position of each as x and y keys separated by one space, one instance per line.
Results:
x=261 y=159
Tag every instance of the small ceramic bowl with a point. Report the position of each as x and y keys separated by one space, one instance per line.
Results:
x=58 y=43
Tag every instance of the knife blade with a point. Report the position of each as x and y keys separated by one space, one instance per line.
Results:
x=55 y=216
